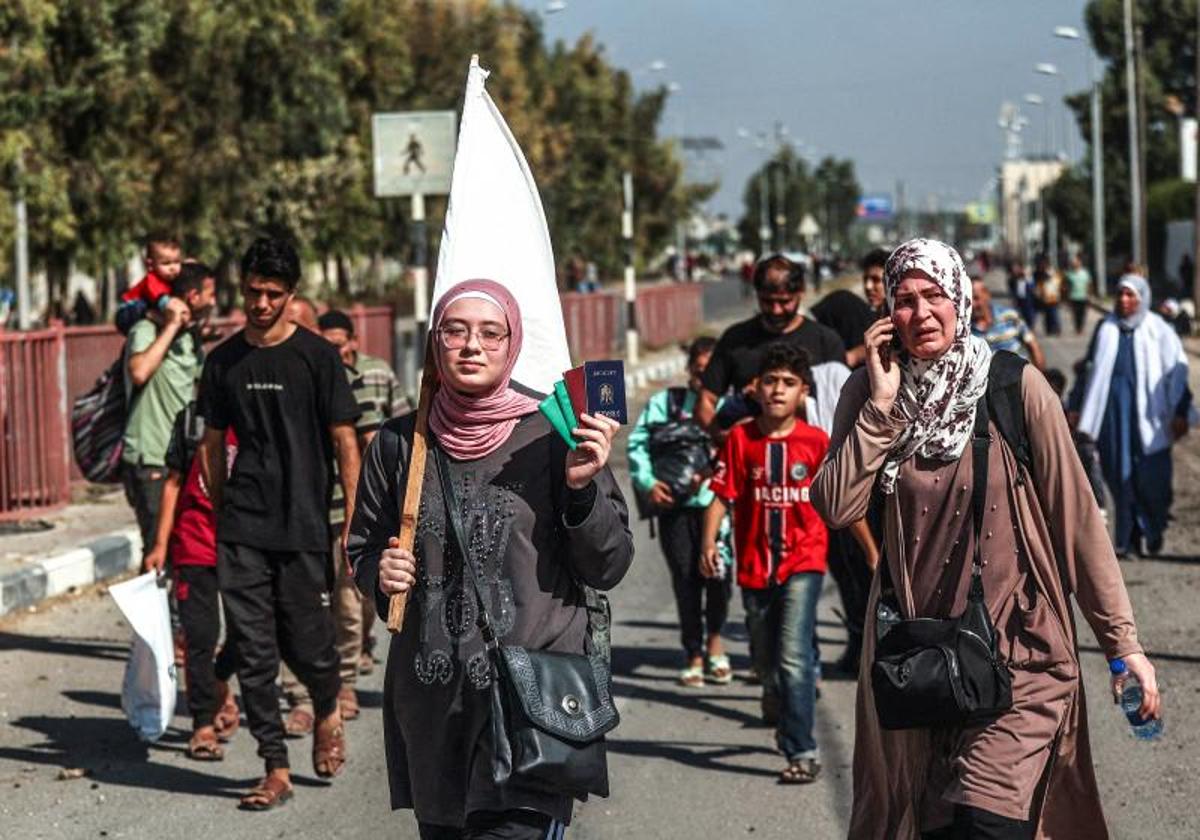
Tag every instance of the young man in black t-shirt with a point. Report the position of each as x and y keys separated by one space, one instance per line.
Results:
x=285 y=393
x=779 y=284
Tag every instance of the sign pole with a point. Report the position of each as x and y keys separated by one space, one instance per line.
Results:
x=420 y=272
x=631 y=327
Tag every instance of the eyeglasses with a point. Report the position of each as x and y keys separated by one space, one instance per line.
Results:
x=456 y=337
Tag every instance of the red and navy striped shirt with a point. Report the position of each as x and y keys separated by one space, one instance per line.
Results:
x=777 y=533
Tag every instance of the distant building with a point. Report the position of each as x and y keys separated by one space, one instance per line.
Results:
x=1021 y=183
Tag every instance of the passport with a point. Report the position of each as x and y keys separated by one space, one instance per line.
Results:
x=553 y=411
x=603 y=389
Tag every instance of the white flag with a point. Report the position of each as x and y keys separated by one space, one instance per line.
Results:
x=496 y=230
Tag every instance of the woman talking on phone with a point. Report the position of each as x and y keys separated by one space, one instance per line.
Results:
x=915 y=430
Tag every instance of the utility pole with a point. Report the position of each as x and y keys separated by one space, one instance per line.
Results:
x=781 y=218
x=764 y=212
x=1099 y=271
x=631 y=328
x=1135 y=154
x=1196 y=228
x=24 y=316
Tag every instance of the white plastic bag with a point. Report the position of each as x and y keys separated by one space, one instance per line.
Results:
x=148 y=690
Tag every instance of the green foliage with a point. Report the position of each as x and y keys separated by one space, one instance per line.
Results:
x=217 y=120
x=829 y=193
x=1167 y=69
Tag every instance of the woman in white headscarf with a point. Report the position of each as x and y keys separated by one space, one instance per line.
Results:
x=901 y=433
x=1135 y=403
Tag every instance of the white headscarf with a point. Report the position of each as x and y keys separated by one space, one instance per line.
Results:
x=1138 y=285
x=937 y=396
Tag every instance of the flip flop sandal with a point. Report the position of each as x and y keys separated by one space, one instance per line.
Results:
x=802 y=771
x=269 y=794
x=205 y=749
x=719 y=670
x=329 y=751
x=348 y=703
x=299 y=723
x=692 y=676
x=228 y=719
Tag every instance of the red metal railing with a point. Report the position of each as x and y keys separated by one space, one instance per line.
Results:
x=34 y=443
x=42 y=372
x=669 y=313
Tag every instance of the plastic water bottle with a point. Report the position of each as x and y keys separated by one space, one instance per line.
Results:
x=886 y=617
x=1131 y=701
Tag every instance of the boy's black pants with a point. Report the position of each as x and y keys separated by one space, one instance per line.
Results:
x=277 y=604
x=200 y=617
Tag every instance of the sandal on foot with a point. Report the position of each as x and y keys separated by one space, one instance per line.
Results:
x=366 y=663
x=299 y=722
x=270 y=793
x=348 y=703
x=329 y=750
x=800 y=771
x=719 y=670
x=204 y=749
x=692 y=676
x=228 y=718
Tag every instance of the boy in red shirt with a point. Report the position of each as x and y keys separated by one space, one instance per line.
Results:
x=163 y=263
x=187 y=533
x=764 y=472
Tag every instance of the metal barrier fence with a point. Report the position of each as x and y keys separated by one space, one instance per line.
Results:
x=34 y=452
x=43 y=372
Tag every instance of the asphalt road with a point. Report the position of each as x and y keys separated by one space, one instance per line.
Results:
x=684 y=763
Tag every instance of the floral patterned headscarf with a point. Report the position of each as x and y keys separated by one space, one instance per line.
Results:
x=937 y=396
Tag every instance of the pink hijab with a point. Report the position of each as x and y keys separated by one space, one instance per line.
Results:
x=470 y=426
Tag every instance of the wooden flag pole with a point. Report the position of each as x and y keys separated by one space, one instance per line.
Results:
x=415 y=481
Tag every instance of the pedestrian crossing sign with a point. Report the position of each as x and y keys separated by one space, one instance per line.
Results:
x=413 y=152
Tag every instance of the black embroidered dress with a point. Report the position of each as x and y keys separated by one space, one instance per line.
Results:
x=531 y=539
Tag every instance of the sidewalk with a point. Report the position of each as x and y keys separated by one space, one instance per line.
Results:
x=68 y=550
x=97 y=539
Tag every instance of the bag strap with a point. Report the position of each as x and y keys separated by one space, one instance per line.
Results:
x=980 y=441
x=484 y=620
x=676 y=397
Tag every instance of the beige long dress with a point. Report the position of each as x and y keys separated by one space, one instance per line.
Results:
x=1044 y=540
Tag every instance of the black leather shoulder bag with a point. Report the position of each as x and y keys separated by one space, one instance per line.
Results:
x=550 y=711
x=932 y=672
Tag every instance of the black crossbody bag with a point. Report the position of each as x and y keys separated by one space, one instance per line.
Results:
x=931 y=672
x=549 y=711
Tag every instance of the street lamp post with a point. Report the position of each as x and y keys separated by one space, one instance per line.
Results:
x=1036 y=99
x=1045 y=68
x=1135 y=152
x=1099 y=272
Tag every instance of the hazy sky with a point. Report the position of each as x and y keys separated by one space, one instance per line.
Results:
x=909 y=89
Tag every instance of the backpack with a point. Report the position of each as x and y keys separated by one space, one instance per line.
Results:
x=98 y=424
x=1006 y=405
x=678 y=449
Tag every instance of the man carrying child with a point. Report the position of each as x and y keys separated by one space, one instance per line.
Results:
x=764 y=472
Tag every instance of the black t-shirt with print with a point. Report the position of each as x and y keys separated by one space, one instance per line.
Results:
x=740 y=350
x=280 y=401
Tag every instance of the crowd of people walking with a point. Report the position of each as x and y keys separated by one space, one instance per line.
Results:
x=909 y=440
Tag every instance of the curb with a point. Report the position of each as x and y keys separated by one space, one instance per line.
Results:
x=648 y=372
x=103 y=558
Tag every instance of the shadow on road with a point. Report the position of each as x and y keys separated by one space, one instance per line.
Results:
x=701 y=755
x=111 y=754
x=94 y=648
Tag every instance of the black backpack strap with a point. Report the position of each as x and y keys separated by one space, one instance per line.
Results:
x=1006 y=405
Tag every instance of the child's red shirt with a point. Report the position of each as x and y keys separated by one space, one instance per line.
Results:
x=777 y=533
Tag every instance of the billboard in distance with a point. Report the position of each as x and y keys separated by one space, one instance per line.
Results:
x=876 y=207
